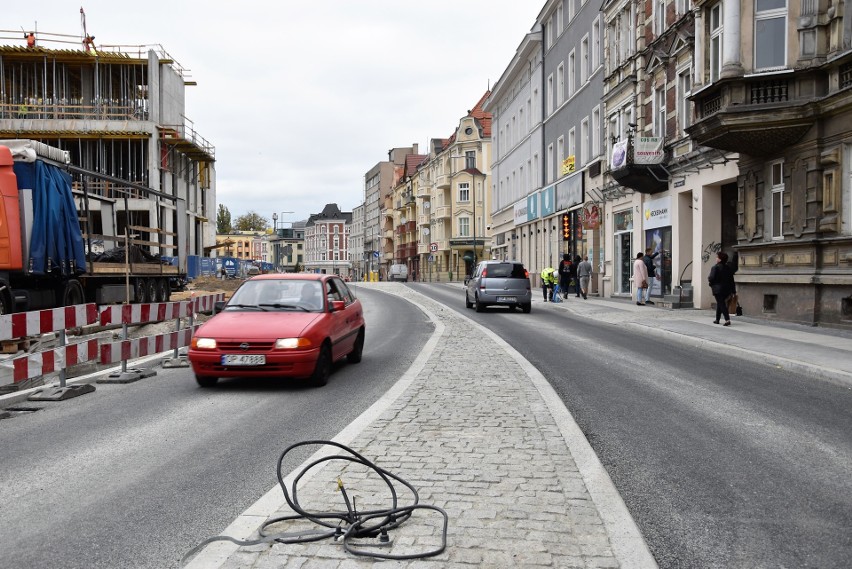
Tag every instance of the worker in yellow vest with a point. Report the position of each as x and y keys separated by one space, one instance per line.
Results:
x=548 y=282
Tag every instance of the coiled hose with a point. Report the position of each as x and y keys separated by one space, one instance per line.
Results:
x=341 y=525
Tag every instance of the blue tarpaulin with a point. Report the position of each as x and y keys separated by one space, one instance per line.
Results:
x=56 y=245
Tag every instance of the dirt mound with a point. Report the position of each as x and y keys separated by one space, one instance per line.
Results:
x=208 y=284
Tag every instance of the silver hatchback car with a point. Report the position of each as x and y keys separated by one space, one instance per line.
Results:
x=504 y=283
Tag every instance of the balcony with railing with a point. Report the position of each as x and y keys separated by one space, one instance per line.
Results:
x=758 y=114
x=411 y=226
x=423 y=219
x=443 y=211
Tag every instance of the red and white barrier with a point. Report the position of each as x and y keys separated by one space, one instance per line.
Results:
x=205 y=303
x=141 y=313
x=37 y=322
x=40 y=363
x=124 y=350
x=23 y=324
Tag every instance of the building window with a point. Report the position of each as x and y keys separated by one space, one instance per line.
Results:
x=549 y=94
x=572 y=142
x=464 y=192
x=596 y=43
x=560 y=84
x=584 y=141
x=660 y=17
x=595 y=143
x=548 y=41
x=770 y=33
x=572 y=73
x=464 y=227
x=559 y=22
x=660 y=112
x=584 y=60
x=684 y=88
x=682 y=7
x=470 y=159
x=560 y=153
x=716 y=33
x=572 y=10
x=777 y=183
x=550 y=166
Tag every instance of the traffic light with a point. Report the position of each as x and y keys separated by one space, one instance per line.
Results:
x=566 y=227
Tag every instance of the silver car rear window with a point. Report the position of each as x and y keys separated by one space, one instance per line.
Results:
x=505 y=270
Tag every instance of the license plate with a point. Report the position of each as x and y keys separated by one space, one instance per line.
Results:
x=243 y=360
x=506 y=299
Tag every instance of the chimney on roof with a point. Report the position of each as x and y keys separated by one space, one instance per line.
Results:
x=414 y=148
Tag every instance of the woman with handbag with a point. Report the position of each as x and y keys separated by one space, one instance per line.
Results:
x=640 y=278
x=722 y=284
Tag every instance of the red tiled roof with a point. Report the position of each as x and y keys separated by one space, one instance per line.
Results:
x=482 y=118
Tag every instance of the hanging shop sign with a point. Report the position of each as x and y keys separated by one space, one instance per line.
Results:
x=590 y=216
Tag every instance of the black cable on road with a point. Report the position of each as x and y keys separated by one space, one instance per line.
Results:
x=345 y=525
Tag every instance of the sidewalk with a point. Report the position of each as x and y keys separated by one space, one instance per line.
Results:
x=825 y=353
x=500 y=453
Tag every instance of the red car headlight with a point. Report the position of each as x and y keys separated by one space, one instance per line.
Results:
x=203 y=344
x=292 y=343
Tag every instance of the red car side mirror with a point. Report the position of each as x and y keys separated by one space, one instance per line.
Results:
x=337 y=305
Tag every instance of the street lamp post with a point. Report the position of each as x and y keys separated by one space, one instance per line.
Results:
x=275 y=243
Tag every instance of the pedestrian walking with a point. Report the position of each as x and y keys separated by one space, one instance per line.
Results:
x=648 y=258
x=574 y=276
x=565 y=269
x=584 y=274
x=722 y=284
x=548 y=281
x=640 y=278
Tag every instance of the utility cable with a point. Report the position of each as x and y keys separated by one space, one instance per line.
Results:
x=345 y=526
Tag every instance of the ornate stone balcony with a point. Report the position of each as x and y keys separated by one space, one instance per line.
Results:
x=757 y=115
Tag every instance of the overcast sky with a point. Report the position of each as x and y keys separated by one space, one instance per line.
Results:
x=300 y=99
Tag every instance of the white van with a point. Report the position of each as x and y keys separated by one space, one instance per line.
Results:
x=398 y=273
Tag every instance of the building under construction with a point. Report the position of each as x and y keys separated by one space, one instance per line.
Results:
x=120 y=111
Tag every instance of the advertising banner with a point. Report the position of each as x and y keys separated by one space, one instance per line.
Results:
x=648 y=149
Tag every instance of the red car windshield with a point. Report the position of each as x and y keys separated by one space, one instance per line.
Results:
x=278 y=293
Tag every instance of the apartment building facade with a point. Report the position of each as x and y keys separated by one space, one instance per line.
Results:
x=457 y=174
x=573 y=122
x=515 y=104
x=774 y=84
x=327 y=241
x=378 y=182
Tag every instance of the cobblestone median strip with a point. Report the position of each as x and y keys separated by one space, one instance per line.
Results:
x=493 y=449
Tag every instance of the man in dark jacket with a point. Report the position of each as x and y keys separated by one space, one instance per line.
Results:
x=722 y=284
x=649 y=263
x=565 y=269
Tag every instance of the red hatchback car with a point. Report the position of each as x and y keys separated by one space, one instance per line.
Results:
x=280 y=325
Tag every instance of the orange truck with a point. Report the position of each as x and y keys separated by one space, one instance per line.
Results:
x=65 y=238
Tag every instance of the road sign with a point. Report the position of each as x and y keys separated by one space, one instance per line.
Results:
x=376 y=254
x=433 y=247
x=431 y=258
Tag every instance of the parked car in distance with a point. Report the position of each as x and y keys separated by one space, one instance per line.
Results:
x=499 y=283
x=398 y=273
x=280 y=325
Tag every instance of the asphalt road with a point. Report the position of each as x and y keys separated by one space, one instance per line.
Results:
x=721 y=462
x=135 y=475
